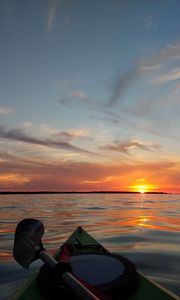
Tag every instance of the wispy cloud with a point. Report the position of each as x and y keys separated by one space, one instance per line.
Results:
x=121 y=85
x=21 y=136
x=78 y=94
x=66 y=135
x=172 y=75
x=147 y=103
x=73 y=97
x=168 y=53
x=5 y=110
x=149 y=68
x=153 y=71
x=64 y=101
x=128 y=146
x=52 y=13
x=27 y=125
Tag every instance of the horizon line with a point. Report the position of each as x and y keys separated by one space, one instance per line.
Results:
x=82 y=192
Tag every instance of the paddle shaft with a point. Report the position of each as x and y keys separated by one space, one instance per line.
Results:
x=28 y=247
x=69 y=280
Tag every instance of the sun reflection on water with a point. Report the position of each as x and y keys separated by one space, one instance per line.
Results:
x=102 y=215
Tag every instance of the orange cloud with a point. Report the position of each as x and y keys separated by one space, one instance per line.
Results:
x=84 y=176
x=15 y=179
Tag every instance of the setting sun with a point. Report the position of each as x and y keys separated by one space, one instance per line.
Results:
x=142 y=188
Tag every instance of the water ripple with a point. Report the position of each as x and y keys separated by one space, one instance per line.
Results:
x=144 y=228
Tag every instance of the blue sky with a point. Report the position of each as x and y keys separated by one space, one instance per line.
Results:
x=89 y=85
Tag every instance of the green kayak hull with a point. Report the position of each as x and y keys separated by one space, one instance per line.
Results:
x=147 y=289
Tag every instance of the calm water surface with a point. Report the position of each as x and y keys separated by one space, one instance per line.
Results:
x=144 y=228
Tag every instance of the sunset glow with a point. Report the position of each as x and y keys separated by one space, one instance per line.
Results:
x=16 y=179
x=143 y=185
x=143 y=188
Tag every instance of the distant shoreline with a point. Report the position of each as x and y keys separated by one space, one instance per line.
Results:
x=74 y=192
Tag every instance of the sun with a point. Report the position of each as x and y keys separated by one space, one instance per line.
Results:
x=142 y=191
x=142 y=188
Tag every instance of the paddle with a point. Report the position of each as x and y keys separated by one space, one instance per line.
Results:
x=28 y=247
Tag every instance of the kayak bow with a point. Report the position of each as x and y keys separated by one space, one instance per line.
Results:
x=94 y=267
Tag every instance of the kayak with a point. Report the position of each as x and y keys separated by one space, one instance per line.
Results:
x=113 y=274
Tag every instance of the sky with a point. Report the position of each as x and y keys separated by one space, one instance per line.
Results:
x=90 y=95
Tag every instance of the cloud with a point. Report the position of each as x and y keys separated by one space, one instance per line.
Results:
x=137 y=100
x=13 y=178
x=74 y=134
x=27 y=125
x=124 y=82
x=66 y=135
x=84 y=176
x=52 y=13
x=149 y=68
x=168 y=53
x=64 y=101
x=172 y=75
x=148 y=102
x=78 y=94
x=19 y=135
x=121 y=85
x=161 y=59
x=6 y=110
x=126 y=147
x=74 y=97
x=156 y=62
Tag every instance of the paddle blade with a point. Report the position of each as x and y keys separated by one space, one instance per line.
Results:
x=27 y=241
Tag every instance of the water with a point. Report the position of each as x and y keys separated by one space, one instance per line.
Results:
x=144 y=228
